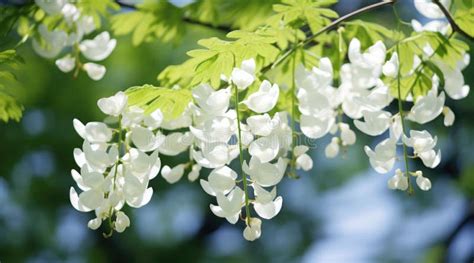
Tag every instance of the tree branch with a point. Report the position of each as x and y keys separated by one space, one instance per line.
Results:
x=187 y=20
x=451 y=20
x=334 y=24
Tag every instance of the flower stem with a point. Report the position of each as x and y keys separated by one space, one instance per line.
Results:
x=400 y=109
x=293 y=114
x=241 y=158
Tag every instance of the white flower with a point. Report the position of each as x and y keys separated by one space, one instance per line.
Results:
x=142 y=165
x=154 y=120
x=213 y=155
x=244 y=76
x=396 y=128
x=132 y=116
x=145 y=140
x=70 y=12
x=121 y=222
x=51 y=7
x=448 y=116
x=94 y=185
x=94 y=71
x=422 y=182
x=390 y=68
x=432 y=26
x=423 y=145
x=303 y=160
x=217 y=129
x=114 y=105
x=96 y=156
x=317 y=126
x=172 y=175
x=430 y=9
x=454 y=84
x=365 y=68
x=427 y=108
x=253 y=230
x=229 y=207
x=265 y=174
x=194 y=174
x=85 y=25
x=220 y=180
x=261 y=125
x=265 y=149
x=214 y=103
x=98 y=48
x=52 y=42
x=376 y=122
x=94 y=132
x=264 y=99
x=332 y=149
x=265 y=204
x=348 y=136
x=398 y=181
x=383 y=158
x=94 y=223
x=66 y=64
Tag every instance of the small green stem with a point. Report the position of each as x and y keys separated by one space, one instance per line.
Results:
x=241 y=157
x=293 y=113
x=111 y=210
x=400 y=109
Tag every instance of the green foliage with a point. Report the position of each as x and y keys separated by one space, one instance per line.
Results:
x=368 y=33
x=97 y=9
x=219 y=57
x=448 y=50
x=464 y=15
x=151 y=20
x=246 y=15
x=418 y=80
x=10 y=109
x=299 y=12
x=172 y=102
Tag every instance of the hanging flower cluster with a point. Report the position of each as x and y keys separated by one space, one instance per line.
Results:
x=117 y=161
x=50 y=44
x=364 y=97
x=239 y=135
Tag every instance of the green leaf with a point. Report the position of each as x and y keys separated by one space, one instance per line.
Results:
x=417 y=84
x=219 y=58
x=368 y=33
x=171 y=102
x=464 y=15
x=298 y=12
x=10 y=108
x=450 y=51
x=152 y=20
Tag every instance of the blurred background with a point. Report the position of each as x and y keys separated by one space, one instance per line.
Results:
x=341 y=211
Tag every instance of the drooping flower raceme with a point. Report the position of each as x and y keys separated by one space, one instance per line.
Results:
x=50 y=44
x=116 y=163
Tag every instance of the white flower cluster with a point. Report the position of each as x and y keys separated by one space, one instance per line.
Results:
x=220 y=136
x=117 y=161
x=50 y=44
x=364 y=97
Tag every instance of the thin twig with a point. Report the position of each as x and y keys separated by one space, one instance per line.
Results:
x=451 y=20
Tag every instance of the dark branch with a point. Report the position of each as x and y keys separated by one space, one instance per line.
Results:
x=187 y=20
x=451 y=20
